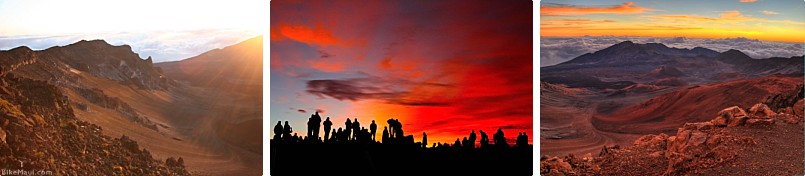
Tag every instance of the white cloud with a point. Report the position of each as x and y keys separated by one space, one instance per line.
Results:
x=557 y=50
x=161 y=46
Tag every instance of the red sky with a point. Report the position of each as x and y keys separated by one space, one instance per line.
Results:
x=441 y=67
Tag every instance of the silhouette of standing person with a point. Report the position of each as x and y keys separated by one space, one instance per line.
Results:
x=465 y=142
x=385 y=135
x=522 y=139
x=398 y=129
x=287 y=133
x=278 y=131
x=391 y=126
x=332 y=138
x=348 y=128
x=525 y=139
x=327 y=125
x=472 y=139
x=356 y=128
x=316 y=125
x=424 y=140
x=484 y=139
x=500 y=139
x=340 y=134
x=457 y=143
x=373 y=130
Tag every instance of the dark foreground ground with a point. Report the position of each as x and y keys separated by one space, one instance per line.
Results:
x=352 y=158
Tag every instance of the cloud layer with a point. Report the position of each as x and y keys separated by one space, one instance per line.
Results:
x=161 y=46
x=557 y=50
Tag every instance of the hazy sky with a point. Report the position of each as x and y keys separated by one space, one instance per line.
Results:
x=441 y=67
x=165 y=30
x=770 y=20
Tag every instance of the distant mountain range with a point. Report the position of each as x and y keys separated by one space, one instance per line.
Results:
x=628 y=61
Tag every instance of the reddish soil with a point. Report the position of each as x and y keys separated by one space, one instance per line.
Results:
x=696 y=103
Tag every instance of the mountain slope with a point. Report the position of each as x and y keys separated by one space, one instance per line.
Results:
x=666 y=112
x=39 y=132
x=112 y=87
x=230 y=68
x=234 y=77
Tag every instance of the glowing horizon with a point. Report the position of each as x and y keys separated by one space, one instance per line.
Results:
x=767 y=21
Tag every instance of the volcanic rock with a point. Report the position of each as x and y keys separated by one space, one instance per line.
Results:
x=761 y=110
x=732 y=112
x=759 y=122
x=737 y=121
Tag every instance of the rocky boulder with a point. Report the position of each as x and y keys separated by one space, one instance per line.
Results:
x=737 y=121
x=732 y=116
x=652 y=141
x=689 y=138
x=731 y=112
x=761 y=110
x=799 y=107
x=555 y=166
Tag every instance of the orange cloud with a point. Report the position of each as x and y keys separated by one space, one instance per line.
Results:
x=770 y=12
x=326 y=66
x=561 y=9
x=385 y=63
x=574 y=22
x=748 y=0
x=308 y=35
x=729 y=16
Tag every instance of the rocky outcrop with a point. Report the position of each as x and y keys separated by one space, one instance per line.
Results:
x=42 y=133
x=761 y=110
x=95 y=57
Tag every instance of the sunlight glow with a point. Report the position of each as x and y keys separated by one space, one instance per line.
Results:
x=98 y=16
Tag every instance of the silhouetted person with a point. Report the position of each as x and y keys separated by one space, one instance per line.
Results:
x=327 y=125
x=287 y=133
x=391 y=126
x=348 y=128
x=340 y=134
x=522 y=139
x=457 y=143
x=278 y=131
x=332 y=138
x=399 y=130
x=385 y=135
x=472 y=139
x=367 y=135
x=314 y=124
x=484 y=139
x=433 y=146
x=424 y=140
x=465 y=142
x=500 y=139
x=373 y=130
x=356 y=128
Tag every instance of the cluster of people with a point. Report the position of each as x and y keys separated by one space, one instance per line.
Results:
x=282 y=133
x=352 y=131
x=394 y=132
x=522 y=139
